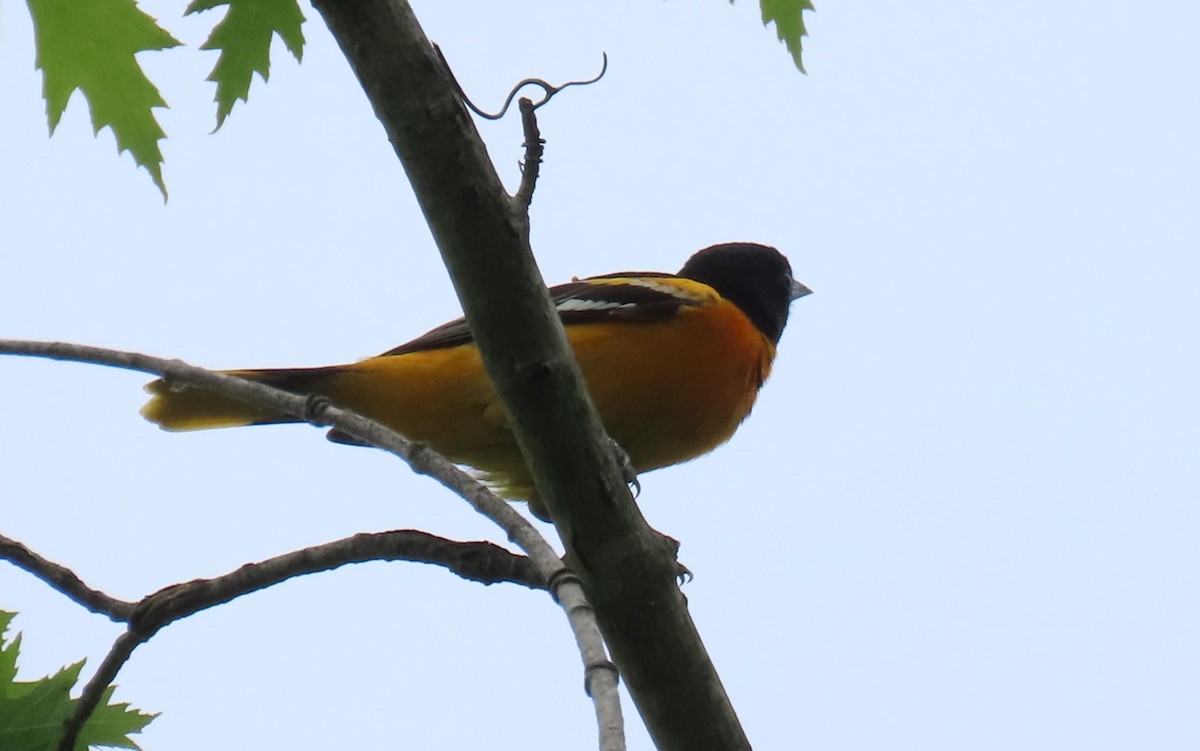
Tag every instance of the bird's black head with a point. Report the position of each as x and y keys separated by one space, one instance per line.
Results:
x=756 y=278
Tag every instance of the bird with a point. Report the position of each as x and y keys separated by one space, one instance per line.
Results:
x=672 y=362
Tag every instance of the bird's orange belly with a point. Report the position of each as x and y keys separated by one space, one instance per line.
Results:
x=669 y=392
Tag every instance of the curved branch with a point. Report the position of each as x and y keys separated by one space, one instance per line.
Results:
x=484 y=562
x=421 y=458
x=65 y=581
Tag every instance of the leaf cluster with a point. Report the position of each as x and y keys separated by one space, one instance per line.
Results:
x=92 y=47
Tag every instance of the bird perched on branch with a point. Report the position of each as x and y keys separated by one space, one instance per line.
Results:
x=673 y=363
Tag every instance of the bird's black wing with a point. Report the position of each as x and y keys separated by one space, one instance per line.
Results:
x=644 y=296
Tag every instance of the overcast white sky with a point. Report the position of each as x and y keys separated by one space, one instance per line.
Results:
x=964 y=514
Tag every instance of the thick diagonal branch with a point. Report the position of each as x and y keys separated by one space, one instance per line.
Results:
x=627 y=569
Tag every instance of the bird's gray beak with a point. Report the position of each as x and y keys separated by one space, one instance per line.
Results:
x=799 y=290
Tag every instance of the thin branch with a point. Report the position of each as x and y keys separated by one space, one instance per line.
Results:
x=319 y=412
x=64 y=580
x=484 y=562
x=420 y=457
x=479 y=561
x=531 y=166
x=600 y=673
x=93 y=691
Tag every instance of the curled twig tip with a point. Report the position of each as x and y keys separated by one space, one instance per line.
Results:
x=549 y=89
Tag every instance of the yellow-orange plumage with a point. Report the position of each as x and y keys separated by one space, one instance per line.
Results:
x=668 y=387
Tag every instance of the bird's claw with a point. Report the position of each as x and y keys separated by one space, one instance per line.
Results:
x=627 y=469
x=683 y=574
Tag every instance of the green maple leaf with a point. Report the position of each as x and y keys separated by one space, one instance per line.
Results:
x=8 y=652
x=112 y=724
x=788 y=16
x=32 y=712
x=244 y=39
x=90 y=45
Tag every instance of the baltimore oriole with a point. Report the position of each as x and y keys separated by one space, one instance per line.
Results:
x=673 y=363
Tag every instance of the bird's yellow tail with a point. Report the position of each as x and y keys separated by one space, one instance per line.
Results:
x=184 y=408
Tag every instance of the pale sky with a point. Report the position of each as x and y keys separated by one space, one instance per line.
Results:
x=964 y=514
